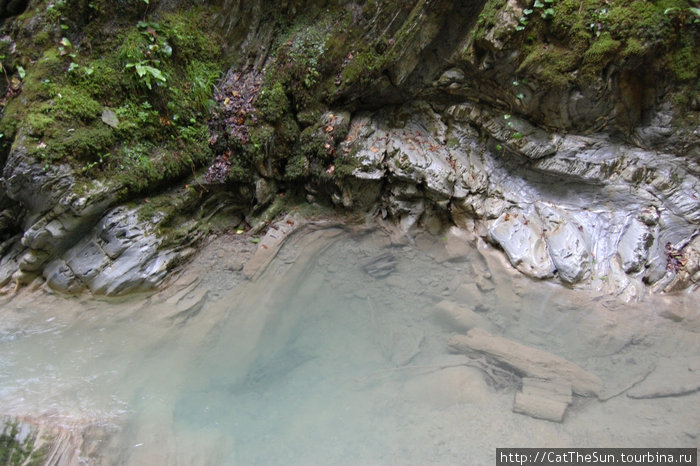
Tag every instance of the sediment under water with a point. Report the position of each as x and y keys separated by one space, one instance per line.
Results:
x=336 y=355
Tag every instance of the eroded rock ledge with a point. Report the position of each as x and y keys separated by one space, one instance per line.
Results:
x=576 y=154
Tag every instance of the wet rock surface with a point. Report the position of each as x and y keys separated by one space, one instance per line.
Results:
x=121 y=256
x=581 y=211
x=432 y=116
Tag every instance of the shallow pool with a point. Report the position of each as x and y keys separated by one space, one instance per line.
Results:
x=337 y=354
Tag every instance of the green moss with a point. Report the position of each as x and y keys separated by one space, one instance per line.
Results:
x=310 y=116
x=100 y=79
x=487 y=18
x=69 y=103
x=590 y=34
x=552 y=65
x=297 y=168
x=685 y=63
x=345 y=166
x=81 y=144
x=38 y=123
x=600 y=53
x=633 y=48
x=273 y=102
x=362 y=68
x=161 y=133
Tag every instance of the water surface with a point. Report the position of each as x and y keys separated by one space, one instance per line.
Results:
x=317 y=361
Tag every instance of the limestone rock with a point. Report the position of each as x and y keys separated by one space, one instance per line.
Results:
x=528 y=361
x=565 y=244
x=634 y=245
x=672 y=377
x=121 y=255
x=521 y=239
x=270 y=244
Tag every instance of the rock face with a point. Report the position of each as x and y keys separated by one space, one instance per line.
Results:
x=121 y=255
x=576 y=156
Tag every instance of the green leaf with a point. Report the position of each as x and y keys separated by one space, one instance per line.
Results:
x=65 y=42
x=140 y=70
x=538 y=4
x=527 y=11
x=155 y=72
x=255 y=240
x=506 y=116
x=21 y=72
x=695 y=11
x=73 y=66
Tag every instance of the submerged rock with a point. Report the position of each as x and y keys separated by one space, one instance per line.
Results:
x=672 y=377
x=543 y=399
x=381 y=266
x=528 y=361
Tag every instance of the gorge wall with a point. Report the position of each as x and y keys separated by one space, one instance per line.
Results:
x=564 y=132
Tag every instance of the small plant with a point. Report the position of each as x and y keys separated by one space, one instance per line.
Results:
x=145 y=71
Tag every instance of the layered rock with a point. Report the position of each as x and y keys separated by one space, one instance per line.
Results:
x=575 y=155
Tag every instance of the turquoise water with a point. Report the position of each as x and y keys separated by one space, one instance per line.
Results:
x=318 y=362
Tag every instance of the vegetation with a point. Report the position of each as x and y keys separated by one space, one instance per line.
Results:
x=567 y=41
x=14 y=453
x=132 y=109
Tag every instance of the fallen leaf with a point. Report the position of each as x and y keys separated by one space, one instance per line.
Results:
x=374 y=149
x=110 y=118
x=329 y=129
